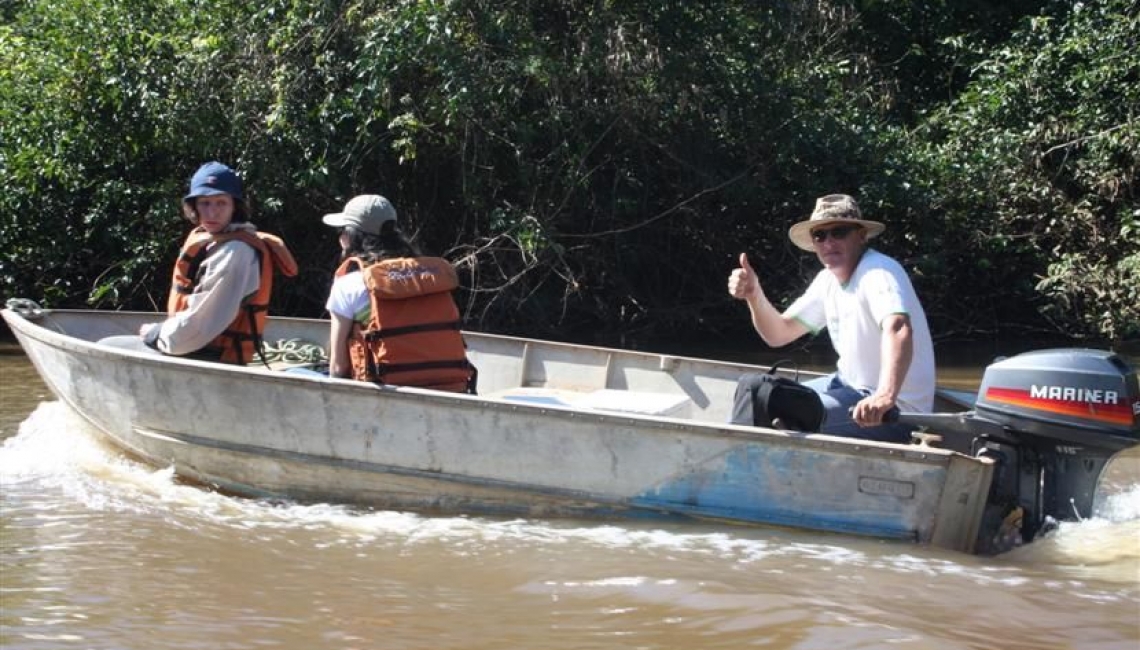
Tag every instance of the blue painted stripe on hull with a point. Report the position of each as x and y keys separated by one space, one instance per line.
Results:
x=772 y=517
x=785 y=487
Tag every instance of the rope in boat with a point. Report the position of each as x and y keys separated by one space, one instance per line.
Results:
x=25 y=308
x=293 y=352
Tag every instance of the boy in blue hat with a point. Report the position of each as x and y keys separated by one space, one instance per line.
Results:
x=223 y=277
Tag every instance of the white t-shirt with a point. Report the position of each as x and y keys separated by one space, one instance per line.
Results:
x=349 y=298
x=852 y=314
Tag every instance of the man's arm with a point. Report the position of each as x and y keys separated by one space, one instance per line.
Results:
x=776 y=329
x=896 y=352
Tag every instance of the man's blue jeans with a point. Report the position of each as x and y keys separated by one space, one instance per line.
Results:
x=838 y=399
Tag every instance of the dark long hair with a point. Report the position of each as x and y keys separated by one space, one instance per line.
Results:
x=241 y=210
x=389 y=244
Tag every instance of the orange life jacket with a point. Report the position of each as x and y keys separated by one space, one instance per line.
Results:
x=243 y=336
x=413 y=335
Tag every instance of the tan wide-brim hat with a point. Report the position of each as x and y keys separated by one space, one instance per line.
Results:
x=832 y=209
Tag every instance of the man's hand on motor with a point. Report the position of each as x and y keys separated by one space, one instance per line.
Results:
x=870 y=410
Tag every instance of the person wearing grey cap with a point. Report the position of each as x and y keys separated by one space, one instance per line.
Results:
x=367 y=232
x=223 y=277
x=873 y=316
x=392 y=316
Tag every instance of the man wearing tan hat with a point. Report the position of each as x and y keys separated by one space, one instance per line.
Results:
x=867 y=303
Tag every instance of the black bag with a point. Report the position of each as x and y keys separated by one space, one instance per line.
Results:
x=763 y=397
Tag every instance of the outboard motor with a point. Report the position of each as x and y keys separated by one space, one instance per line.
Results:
x=1051 y=419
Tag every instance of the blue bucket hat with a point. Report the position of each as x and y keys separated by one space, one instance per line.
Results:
x=214 y=178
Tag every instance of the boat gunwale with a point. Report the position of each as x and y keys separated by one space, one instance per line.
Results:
x=662 y=424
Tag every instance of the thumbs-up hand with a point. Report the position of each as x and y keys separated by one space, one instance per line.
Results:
x=743 y=283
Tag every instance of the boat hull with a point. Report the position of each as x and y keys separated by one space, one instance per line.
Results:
x=557 y=430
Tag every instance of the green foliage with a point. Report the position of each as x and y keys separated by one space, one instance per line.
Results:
x=1033 y=169
x=80 y=86
x=595 y=168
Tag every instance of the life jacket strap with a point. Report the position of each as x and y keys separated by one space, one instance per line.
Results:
x=377 y=372
x=472 y=379
x=237 y=338
x=383 y=369
x=375 y=335
x=193 y=266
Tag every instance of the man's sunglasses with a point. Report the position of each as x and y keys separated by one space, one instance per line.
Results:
x=837 y=233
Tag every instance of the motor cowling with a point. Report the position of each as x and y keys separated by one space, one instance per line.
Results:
x=1052 y=420
x=1079 y=396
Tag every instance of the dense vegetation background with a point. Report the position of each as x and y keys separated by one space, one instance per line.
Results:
x=593 y=167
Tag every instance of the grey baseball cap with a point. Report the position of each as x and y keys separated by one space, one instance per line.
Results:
x=367 y=213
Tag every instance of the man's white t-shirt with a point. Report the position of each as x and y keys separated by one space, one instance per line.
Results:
x=852 y=314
